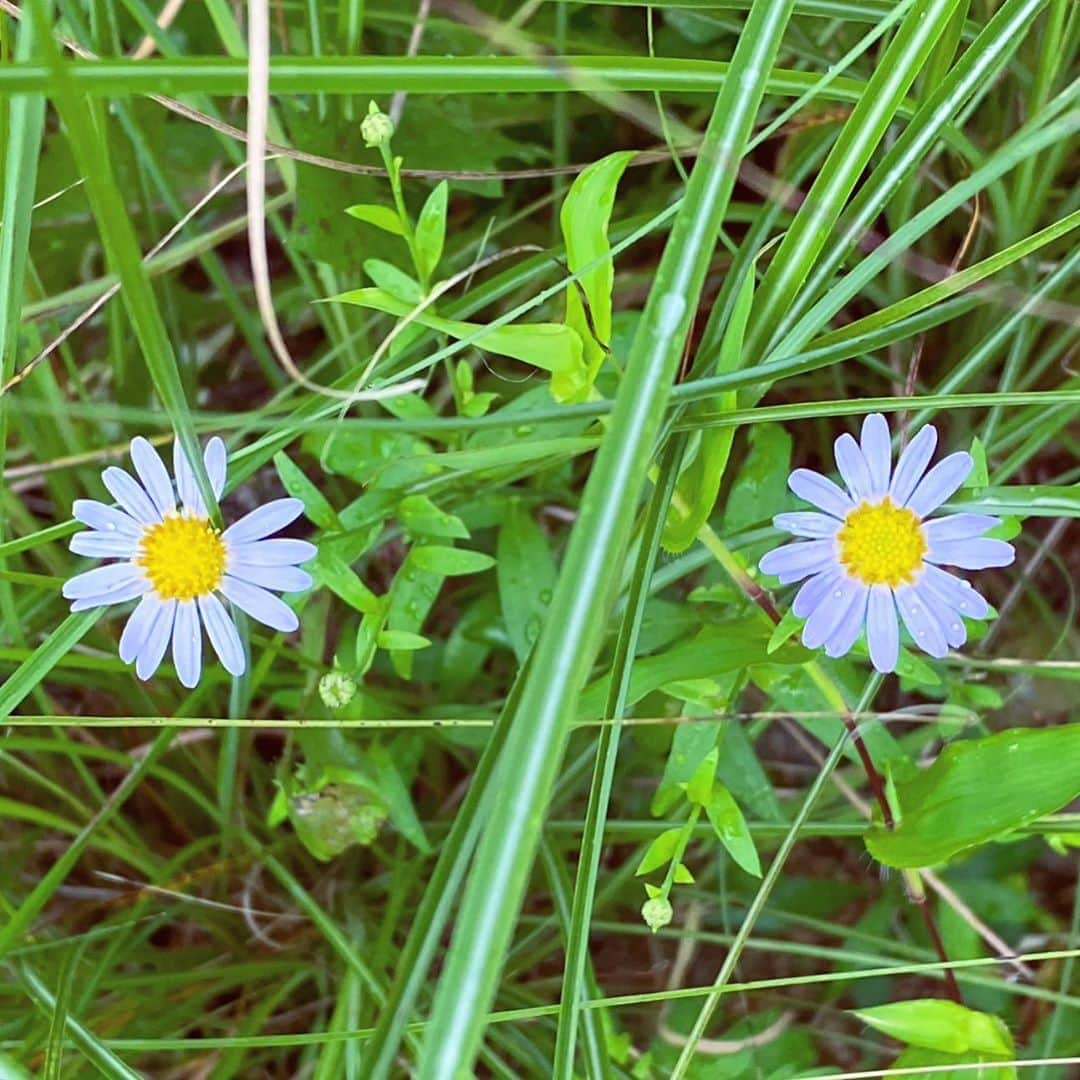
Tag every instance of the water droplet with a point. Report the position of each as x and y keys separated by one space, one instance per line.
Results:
x=111 y=527
x=545 y=596
x=914 y=609
x=837 y=594
x=523 y=431
x=955 y=626
x=922 y=633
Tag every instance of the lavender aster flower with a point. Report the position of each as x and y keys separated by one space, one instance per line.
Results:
x=874 y=553
x=173 y=560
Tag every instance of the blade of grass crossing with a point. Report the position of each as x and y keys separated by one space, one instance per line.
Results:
x=607 y=748
x=861 y=135
x=568 y=643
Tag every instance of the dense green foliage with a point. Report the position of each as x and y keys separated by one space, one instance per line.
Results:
x=545 y=784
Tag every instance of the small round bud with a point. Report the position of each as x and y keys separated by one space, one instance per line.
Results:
x=377 y=128
x=336 y=689
x=657 y=913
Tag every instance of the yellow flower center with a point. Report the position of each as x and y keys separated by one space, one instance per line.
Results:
x=184 y=557
x=882 y=544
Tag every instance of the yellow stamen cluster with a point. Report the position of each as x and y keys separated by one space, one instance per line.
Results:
x=882 y=544
x=184 y=557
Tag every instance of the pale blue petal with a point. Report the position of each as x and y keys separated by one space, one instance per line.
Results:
x=100 y=545
x=955 y=592
x=223 y=634
x=940 y=482
x=288 y=579
x=793 y=562
x=877 y=449
x=921 y=621
x=912 y=464
x=814 y=591
x=119 y=594
x=828 y=615
x=154 y=476
x=105 y=518
x=272 y=553
x=157 y=640
x=139 y=625
x=187 y=643
x=807 y=523
x=882 y=629
x=977 y=554
x=853 y=467
x=847 y=629
x=102 y=580
x=130 y=495
x=216 y=460
x=185 y=482
x=821 y=492
x=960 y=526
x=264 y=521
x=261 y=605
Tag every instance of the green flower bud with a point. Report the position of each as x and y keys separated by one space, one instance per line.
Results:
x=336 y=689
x=377 y=128
x=657 y=913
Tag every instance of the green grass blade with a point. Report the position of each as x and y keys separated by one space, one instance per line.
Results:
x=568 y=643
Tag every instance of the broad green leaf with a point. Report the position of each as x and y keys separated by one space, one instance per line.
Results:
x=393 y=281
x=584 y=218
x=715 y=650
x=699 y=484
x=431 y=231
x=690 y=744
x=422 y=518
x=980 y=790
x=382 y=217
x=784 y=630
x=1024 y=500
x=386 y=767
x=331 y=570
x=316 y=507
x=410 y=599
x=450 y=561
x=402 y=639
x=335 y=817
x=682 y=875
x=759 y=489
x=940 y=1025
x=699 y=788
x=660 y=851
x=548 y=346
x=730 y=825
x=526 y=573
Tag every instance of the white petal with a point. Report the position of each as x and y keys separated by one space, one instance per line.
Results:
x=272 y=553
x=105 y=518
x=157 y=640
x=130 y=495
x=264 y=521
x=940 y=483
x=882 y=629
x=99 y=545
x=185 y=482
x=102 y=580
x=808 y=523
x=286 y=579
x=853 y=467
x=821 y=492
x=912 y=464
x=223 y=634
x=814 y=591
x=921 y=621
x=139 y=625
x=840 y=641
x=977 y=554
x=828 y=615
x=154 y=476
x=954 y=592
x=216 y=460
x=876 y=446
x=261 y=605
x=187 y=643
x=793 y=562
x=959 y=526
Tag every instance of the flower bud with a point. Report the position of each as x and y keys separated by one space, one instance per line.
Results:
x=657 y=913
x=376 y=128
x=336 y=689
